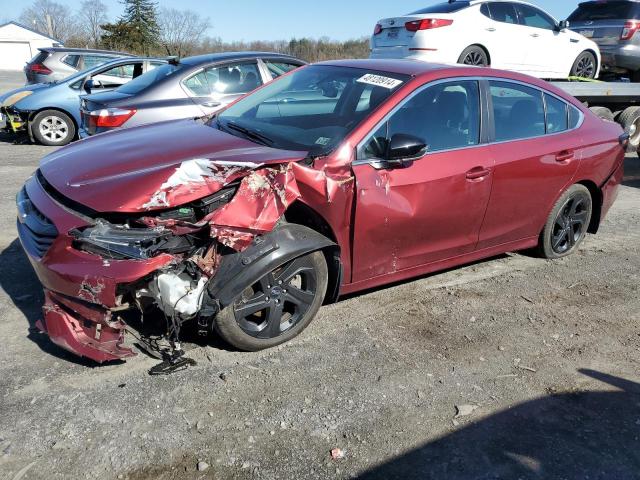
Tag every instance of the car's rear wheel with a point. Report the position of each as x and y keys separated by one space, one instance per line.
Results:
x=475 y=56
x=277 y=307
x=585 y=66
x=567 y=224
x=53 y=128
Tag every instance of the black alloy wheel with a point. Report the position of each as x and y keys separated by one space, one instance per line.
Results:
x=571 y=224
x=474 y=56
x=584 y=66
x=278 y=306
x=568 y=223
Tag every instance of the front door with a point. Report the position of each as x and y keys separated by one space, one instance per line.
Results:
x=431 y=208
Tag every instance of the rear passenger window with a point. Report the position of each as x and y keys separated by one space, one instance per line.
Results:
x=518 y=111
x=557 y=115
x=445 y=116
x=224 y=80
x=71 y=60
x=503 y=12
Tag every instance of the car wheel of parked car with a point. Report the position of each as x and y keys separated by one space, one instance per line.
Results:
x=603 y=112
x=585 y=66
x=53 y=127
x=629 y=119
x=568 y=223
x=474 y=55
x=277 y=307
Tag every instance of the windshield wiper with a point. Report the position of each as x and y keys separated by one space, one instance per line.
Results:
x=256 y=136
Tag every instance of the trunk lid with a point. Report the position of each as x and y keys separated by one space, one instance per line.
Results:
x=603 y=32
x=99 y=101
x=394 y=32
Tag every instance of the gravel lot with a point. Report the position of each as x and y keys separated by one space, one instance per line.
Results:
x=541 y=359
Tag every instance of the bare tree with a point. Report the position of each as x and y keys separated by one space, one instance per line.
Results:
x=181 y=31
x=50 y=18
x=90 y=18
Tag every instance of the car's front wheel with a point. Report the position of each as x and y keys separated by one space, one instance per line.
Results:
x=567 y=224
x=53 y=128
x=585 y=66
x=475 y=56
x=277 y=307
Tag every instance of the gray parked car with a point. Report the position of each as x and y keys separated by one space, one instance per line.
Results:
x=57 y=63
x=191 y=87
x=613 y=25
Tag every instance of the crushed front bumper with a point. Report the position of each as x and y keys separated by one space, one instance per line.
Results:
x=15 y=121
x=82 y=300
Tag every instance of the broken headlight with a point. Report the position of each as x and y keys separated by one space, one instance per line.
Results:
x=121 y=242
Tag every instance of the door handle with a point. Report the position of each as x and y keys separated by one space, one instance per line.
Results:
x=478 y=173
x=491 y=29
x=211 y=104
x=535 y=35
x=565 y=156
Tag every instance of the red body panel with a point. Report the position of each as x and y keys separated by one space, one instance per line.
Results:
x=390 y=225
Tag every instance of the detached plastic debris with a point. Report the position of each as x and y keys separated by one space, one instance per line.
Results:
x=337 y=454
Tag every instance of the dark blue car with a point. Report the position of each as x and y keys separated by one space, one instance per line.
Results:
x=50 y=112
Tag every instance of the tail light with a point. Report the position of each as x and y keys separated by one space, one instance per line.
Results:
x=377 y=30
x=427 y=24
x=39 y=68
x=110 y=117
x=629 y=30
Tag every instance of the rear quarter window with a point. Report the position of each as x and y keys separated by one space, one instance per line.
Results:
x=616 y=10
x=71 y=60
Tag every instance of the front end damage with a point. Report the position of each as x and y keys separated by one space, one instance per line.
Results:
x=182 y=262
x=15 y=120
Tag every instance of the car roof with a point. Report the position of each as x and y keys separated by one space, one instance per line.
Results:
x=401 y=66
x=81 y=51
x=219 y=57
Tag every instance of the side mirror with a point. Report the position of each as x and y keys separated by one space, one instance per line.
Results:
x=563 y=25
x=88 y=85
x=402 y=146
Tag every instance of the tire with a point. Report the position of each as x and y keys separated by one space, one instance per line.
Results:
x=248 y=327
x=603 y=112
x=567 y=224
x=475 y=56
x=585 y=66
x=53 y=128
x=629 y=119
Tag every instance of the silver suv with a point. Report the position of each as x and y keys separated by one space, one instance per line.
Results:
x=613 y=25
x=52 y=64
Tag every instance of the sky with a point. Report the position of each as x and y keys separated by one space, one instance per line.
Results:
x=283 y=19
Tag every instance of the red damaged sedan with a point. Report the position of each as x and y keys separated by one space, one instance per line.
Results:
x=335 y=178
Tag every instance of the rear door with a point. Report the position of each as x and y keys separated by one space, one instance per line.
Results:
x=506 y=40
x=537 y=153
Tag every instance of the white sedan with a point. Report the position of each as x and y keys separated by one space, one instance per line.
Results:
x=510 y=35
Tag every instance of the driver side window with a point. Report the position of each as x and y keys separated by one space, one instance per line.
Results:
x=445 y=116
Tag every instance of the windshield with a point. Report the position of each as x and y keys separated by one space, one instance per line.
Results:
x=143 y=81
x=313 y=109
x=616 y=10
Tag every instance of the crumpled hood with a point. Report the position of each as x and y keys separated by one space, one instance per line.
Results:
x=127 y=170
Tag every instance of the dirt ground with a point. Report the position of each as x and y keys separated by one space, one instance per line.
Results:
x=511 y=368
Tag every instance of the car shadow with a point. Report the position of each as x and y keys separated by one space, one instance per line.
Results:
x=15 y=139
x=632 y=171
x=570 y=436
x=21 y=284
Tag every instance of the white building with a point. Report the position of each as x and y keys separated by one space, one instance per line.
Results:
x=19 y=44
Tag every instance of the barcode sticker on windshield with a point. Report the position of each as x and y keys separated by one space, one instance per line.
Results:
x=380 y=81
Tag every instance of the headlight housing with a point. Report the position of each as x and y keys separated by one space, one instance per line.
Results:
x=119 y=242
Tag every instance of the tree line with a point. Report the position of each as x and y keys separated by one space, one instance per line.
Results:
x=145 y=29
